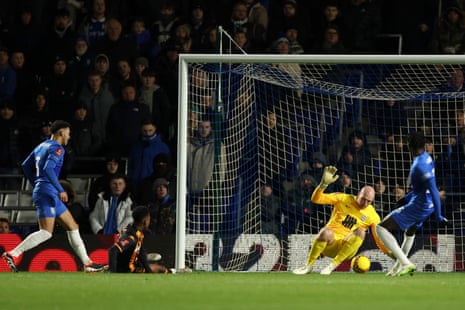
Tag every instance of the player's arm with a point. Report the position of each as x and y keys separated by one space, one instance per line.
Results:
x=329 y=177
x=433 y=189
x=29 y=169
x=49 y=169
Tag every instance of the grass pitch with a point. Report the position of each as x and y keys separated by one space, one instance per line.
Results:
x=215 y=290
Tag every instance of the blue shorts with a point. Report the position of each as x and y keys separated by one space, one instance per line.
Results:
x=411 y=215
x=48 y=204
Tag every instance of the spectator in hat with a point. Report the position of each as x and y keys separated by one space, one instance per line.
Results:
x=98 y=99
x=92 y=26
x=355 y=154
x=329 y=16
x=7 y=75
x=155 y=97
x=362 y=23
x=140 y=64
x=162 y=168
x=9 y=151
x=270 y=210
x=292 y=35
x=81 y=62
x=290 y=15
x=318 y=163
x=162 y=209
x=139 y=33
x=200 y=24
x=166 y=67
x=26 y=82
x=32 y=121
x=102 y=66
x=449 y=32
x=299 y=208
x=182 y=36
x=124 y=121
x=331 y=42
x=61 y=87
x=60 y=39
x=25 y=35
x=149 y=145
x=125 y=75
x=102 y=183
x=115 y=45
x=242 y=44
x=76 y=9
x=85 y=142
x=256 y=33
x=163 y=28
x=257 y=13
x=345 y=184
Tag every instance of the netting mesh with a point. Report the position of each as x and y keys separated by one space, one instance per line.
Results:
x=275 y=126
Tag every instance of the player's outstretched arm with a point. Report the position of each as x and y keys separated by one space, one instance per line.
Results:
x=329 y=177
x=436 y=200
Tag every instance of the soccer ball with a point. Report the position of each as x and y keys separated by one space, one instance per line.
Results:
x=360 y=264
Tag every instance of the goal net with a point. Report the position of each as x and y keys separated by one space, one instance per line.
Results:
x=255 y=132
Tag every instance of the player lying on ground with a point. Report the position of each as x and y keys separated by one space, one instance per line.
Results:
x=345 y=231
x=128 y=253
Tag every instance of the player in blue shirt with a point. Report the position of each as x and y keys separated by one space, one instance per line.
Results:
x=414 y=208
x=42 y=168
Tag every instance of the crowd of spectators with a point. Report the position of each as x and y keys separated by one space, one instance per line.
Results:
x=110 y=68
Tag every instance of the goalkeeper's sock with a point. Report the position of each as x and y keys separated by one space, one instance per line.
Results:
x=349 y=249
x=391 y=243
x=31 y=241
x=78 y=246
x=407 y=243
x=315 y=251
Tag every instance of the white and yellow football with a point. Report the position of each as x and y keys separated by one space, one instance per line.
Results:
x=360 y=264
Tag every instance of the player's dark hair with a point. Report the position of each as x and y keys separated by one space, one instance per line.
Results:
x=139 y=213
x=416 y=140
x=59 y=124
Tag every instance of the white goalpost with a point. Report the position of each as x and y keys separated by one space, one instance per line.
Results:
x=243 y=191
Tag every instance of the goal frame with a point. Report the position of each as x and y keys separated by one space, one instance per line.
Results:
x=183 y=85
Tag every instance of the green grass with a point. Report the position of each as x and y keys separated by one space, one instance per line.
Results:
x=204 y=290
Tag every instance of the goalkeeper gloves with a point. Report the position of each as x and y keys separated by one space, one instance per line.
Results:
x=329 y=177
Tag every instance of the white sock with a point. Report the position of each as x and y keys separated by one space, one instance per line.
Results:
x=78 y=246
x=391 y=243
x=31 y=241
x=407 y=243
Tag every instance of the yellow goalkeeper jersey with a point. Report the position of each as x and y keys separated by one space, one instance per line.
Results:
x=346 y=215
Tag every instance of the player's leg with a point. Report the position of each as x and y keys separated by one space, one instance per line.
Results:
x=348 y=249
x=321 y=241
x=66 y=220
x=407 y=243
x=390 y=242
x=46 y=222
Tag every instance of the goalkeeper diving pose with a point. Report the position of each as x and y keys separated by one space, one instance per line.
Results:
x=414 y=208
x=345 y=231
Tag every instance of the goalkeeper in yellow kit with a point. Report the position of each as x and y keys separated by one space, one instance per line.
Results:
x=345 y=231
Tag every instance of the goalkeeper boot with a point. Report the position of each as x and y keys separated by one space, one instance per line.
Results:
x=394 y=270
x=10 y=261
x=303 y=270
x=406 y=269
x=93 y=267
x=328 y=269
